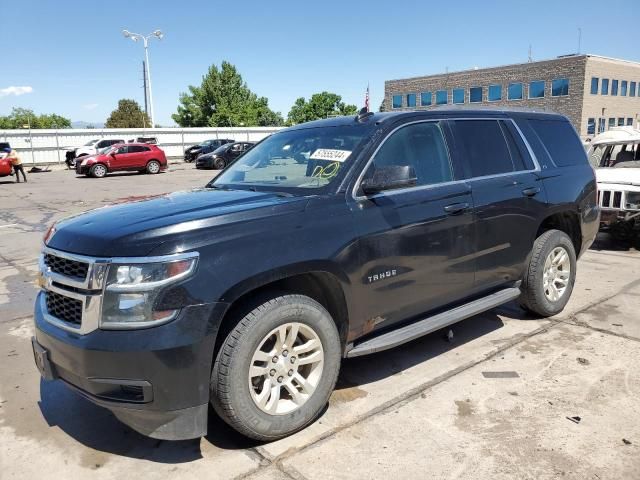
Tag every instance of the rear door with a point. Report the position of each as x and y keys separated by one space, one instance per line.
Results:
x=137 y=157
x=508 y=196
x=416 y=244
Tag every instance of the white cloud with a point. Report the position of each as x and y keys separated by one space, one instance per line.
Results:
x=90 y=106
x=15 y=91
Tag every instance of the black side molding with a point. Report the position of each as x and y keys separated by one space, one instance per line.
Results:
x=430 y=324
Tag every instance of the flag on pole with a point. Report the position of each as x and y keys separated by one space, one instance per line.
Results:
x=366 y=98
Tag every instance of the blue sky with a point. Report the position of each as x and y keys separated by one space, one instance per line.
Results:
x=77 y=63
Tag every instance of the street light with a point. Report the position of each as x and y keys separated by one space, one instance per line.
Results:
x=145 y=38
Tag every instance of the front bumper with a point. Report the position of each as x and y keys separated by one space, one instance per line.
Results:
x=206 y=163
x=82 y=169
x=155 y=380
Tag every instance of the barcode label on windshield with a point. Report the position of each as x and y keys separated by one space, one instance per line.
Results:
x=330 y=154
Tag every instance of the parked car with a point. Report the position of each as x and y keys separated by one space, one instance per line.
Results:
x=90 y=148
x=248 y=293
x=191 y=153
x=223 y=156
x=139 y=157
x=150 y=140
x=5 y=163
x=615 y=155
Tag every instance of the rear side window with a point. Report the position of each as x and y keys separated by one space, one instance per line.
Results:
x=483 y=145
x=561 y=141
x=421 y=146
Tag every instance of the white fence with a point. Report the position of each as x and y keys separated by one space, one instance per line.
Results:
x=49 y=146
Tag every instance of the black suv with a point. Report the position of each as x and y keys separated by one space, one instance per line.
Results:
x=223 y=156
x=325 y=241
x=191 y=153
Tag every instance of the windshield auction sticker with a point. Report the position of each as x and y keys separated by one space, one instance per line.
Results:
x=330 y=154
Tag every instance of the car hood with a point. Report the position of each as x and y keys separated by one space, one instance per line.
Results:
x=138 y=225
x=623 y=176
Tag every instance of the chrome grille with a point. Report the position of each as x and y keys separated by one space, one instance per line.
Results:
x=64 y=308
x=66 y=266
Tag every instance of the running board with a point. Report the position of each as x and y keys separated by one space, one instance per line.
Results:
x=417 y=329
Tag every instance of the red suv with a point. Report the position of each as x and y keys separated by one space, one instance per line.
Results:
x=139 y=157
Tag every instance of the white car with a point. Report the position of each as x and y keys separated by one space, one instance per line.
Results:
x=615 y=156
x=94 y=146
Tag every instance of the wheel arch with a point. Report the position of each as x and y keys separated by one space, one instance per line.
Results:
x=566 y=221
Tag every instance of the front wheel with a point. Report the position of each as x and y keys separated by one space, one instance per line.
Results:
x=219 y=163
x=276 y=369
x=548 y=282
x=98 y=170
x=153 y=167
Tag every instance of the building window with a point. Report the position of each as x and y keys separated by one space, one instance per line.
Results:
x=475 y=95
x=632 y=89
x=623 y=88
x=426 y=99
x=591 y=126
x=605 y=86
x=411 y=99
x=514 y=91
x=621 y=121
x=458 y=95
x=612 y=122
x=602 y=124
x=495 y=93
x=629 y=122
x=441 y=97
x=397 y=101
x=536 y=89
x=560 y=87
x=614 y=87
x=594 y=85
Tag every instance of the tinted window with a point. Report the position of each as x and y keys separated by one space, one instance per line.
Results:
x=441 y=97
x=629 y=122
x=614 y=87
x=612 y=122
x=123 y=150
x=475 y=94
x=137 y=149
x=411 y=100
x=560 y=140
x=482 y=143
x=605 y=86
x=632 y=89
x=594 y=85
x=495 y=93
x=560 y=87
x=420 y=146
x=458 y=95
x=515 y=91
x=426 y=99
x=536 y=89
x=397 y=101
x=519 y=153
x=623 y=88
x=591 y=126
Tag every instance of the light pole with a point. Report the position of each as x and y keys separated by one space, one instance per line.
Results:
x=145 y=39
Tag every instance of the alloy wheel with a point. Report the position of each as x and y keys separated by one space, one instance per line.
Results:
x=557 y=272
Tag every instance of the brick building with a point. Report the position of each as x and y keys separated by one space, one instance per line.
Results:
x=595 y=93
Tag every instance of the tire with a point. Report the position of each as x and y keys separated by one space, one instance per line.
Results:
x=235 y=395
x=219 y=163
x=550 y=298
x=153 y=167
x=98 y=171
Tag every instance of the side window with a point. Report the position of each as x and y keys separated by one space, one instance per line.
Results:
x=102 y=144
x=482 y=144
x=421 y=146
x=519 y=152
x=561 y=141
x=123 y=150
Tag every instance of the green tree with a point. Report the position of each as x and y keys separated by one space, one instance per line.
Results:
x=128 y=115
x=23 y=117
x=320 y=105
x=223 y=99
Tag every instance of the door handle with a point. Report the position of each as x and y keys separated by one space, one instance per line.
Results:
x=531 y=191
x=456 y=208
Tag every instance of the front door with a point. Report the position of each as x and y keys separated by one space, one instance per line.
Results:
x=416 y=244
x=508 y=196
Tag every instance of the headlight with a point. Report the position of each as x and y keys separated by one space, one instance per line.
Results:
x=132 y=290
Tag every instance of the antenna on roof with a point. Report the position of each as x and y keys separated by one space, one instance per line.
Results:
x=363 y=115
x=530 y=57
x=579 y=39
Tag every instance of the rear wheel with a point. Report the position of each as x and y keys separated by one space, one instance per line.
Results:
x=98 y=170
x=276 y=369
x=548 y=282
x=153 y=167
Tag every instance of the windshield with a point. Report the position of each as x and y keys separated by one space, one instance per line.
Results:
x=616 y=155
x=222 y=149
x=91 y=142
x=308 y=158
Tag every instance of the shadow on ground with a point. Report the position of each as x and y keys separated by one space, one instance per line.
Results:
x=604 y=241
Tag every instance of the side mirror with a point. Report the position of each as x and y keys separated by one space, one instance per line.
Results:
x=389 y=178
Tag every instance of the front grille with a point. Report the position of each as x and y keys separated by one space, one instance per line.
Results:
x=64 y=308
x=66 y=267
